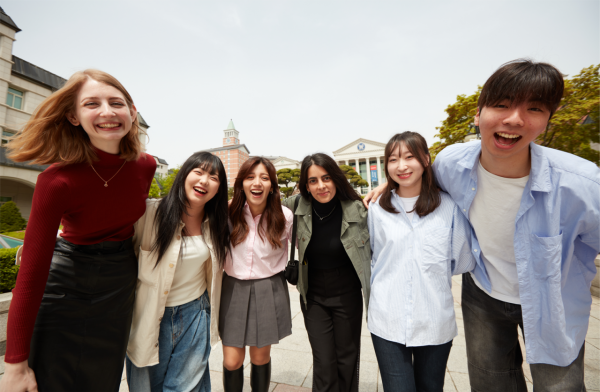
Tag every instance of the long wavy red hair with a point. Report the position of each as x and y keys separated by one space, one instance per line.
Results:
x=273 y=215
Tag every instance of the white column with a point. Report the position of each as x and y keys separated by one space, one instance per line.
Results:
x=369 y=174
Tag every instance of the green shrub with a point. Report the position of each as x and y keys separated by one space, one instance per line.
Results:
x=8 y=269
x=20 y=235
x=10 y=218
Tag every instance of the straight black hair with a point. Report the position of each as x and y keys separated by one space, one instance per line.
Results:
x=429 y=198
x=343 y=189
x=174 y=205
x=521 y=81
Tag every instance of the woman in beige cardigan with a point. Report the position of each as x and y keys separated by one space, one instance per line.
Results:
x=181 y=242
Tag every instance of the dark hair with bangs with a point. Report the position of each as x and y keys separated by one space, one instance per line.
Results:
x=343 y=189
x=429 y=198
x=521 y=81
x=272 y=215
x=174 y=205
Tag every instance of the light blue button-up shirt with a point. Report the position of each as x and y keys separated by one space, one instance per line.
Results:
x=412 y=264
x=557 y=238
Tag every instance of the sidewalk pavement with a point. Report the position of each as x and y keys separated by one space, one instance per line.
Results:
x=292 y=358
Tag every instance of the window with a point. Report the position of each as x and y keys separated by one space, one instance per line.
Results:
x=14 y=98
x=4 y=199
x=6 y=136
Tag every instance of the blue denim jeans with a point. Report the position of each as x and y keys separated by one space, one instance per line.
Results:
x=183 y=351
x=411 y=369
x=494 y=355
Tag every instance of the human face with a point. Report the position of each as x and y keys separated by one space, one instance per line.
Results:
x=320 y=185
x=103 y=113
x=200 y=187
x=406 y=170
x=257 y=186
x=507 y=129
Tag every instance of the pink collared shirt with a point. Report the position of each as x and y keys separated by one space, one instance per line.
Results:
x=255 y=258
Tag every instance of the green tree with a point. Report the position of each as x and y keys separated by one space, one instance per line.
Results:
x=352 y=175
x=167 y=181
x=456 y=126
x=10 y=218
x=154 y=190
x=285 y=177
x=574 y=126
x=8 y=269
x=230 y=193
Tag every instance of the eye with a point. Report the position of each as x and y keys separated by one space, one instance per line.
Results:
x=90 y=104
x=117 y=104
x=501 y=106
x=214 y=178
x=326 y=179
x=312 y=181
x=392 y=160
x=409 y=157
x=536 y=109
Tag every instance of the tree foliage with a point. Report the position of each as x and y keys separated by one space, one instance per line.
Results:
x=573 y=128
x=285 y=177
x=456 y=126
x=10 y=218
x=154 y=190
x=8 y=269
x=352 y=175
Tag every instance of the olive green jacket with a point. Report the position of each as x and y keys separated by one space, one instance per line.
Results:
x=354 y=234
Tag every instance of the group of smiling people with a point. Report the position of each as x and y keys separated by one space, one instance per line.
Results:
x=157 y=282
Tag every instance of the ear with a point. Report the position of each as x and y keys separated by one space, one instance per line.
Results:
x=133 y=112
x=72 y=119
x=476 y=119
x=428 y=160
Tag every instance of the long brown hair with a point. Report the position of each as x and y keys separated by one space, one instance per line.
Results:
x=48 y=136
x=273 y=215
x=343 y=189
x=429 y=198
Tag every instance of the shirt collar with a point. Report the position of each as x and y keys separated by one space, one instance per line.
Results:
x=539 y=175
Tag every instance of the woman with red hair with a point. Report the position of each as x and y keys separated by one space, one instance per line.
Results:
x=69 y=320
x=255 y=303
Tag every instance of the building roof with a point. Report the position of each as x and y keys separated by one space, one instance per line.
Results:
x=160 y=160
x=7 y=21
x=361 y=140
x=269 y=157
x=142 y=121
x=232 y=147
x=36 y=74
x=230 y=126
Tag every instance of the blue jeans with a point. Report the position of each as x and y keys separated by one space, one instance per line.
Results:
x=183 y=350
x=411 y=369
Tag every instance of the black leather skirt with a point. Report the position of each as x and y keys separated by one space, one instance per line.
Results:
x=83 y=323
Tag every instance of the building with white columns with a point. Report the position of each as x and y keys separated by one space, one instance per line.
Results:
x=367 y=158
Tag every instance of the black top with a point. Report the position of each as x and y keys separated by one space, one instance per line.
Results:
x=325 y=249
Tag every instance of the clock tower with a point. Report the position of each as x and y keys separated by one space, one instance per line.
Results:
x=231 y=136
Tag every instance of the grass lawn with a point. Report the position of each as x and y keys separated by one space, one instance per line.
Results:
x=20 y=235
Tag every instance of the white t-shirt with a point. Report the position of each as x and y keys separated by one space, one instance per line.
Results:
x=409 y=205
x=189 y=281
x=493 y=215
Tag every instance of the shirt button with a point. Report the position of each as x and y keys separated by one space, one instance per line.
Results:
x=472 y=189
x=166 y=292
x=464 y=209
x=156 y=345
x=171 y=265
x=474 y=250
x=160 y=319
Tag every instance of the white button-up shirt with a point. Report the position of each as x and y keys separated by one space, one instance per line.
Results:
x=411 y=299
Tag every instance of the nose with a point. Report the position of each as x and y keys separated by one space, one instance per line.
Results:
x=320 y=184
x=514 y=117
x=203 y=179
x=106 y=110
x=256 y=181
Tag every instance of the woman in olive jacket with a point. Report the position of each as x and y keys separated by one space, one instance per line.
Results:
x=335 y=257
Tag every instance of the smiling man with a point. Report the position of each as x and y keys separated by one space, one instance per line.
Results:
x=535 y=212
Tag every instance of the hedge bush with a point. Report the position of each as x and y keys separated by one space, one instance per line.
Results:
x=10 y=218
x=8 y=269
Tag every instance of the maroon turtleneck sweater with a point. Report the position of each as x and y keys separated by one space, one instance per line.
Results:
x=90 y=213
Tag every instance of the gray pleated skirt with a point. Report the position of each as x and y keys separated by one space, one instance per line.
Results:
x=254 y=312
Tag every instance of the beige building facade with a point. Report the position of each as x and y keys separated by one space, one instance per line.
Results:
x=367 y=158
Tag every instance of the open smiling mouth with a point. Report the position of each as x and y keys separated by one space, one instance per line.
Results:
x=200 y=191
x=256 y=193
x=506 y=139
x=109 y=125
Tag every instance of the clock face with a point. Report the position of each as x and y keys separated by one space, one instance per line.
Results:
x=227 y=140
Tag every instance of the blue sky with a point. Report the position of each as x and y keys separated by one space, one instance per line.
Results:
x=299 y=77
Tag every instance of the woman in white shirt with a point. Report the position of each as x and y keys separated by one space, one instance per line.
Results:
x=182 y=243
x=419 y=239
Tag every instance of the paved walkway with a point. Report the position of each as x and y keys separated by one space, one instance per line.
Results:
x=292 y=359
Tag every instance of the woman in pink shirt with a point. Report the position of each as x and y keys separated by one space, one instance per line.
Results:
x=255 y=303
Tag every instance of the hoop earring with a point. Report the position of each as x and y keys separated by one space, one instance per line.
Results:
x=271 y=192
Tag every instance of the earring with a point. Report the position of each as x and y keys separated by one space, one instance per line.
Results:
x=271 y=192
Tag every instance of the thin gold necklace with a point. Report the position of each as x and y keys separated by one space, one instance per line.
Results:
x=106 y=181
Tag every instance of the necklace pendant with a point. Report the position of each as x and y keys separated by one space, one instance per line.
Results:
x=105 y=184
